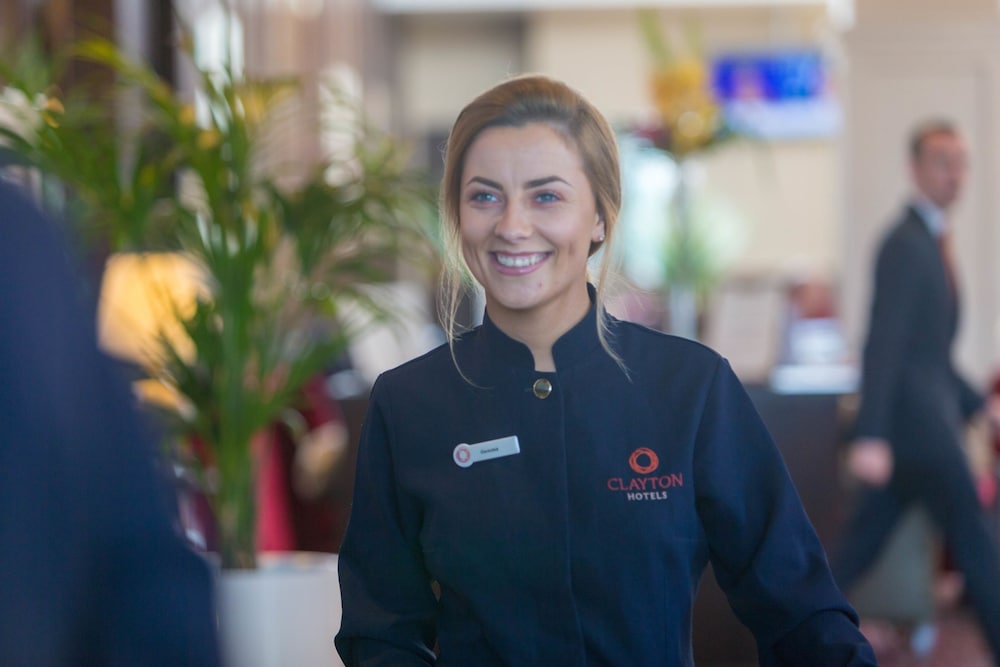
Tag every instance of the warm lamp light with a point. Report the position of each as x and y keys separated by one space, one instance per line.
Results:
x=144 y=297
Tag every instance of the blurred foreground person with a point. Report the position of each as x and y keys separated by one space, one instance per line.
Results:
x=91 y=569
x=914 y=404
x=562 y=476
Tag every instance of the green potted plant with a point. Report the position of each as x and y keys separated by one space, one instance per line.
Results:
x=277 y=264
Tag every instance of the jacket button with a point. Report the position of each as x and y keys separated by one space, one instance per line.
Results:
x=542 y=388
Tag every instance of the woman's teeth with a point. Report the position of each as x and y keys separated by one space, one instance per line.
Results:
x=520 y=261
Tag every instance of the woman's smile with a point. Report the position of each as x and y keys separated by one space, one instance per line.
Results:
x=519 y=263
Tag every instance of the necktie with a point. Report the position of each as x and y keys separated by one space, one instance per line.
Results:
x=948 y=260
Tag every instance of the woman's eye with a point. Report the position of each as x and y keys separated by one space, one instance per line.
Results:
x=482 y=197
x=546 y=197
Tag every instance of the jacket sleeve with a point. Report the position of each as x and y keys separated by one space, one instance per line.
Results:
x=894 y=299
x=388 y=603
x=764 y=551
x=91 y=567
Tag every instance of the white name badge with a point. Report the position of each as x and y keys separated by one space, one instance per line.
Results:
x=465 y=455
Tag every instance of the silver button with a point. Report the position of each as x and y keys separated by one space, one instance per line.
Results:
x=542 y=388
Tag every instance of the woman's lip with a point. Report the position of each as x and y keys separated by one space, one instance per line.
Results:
x=518 y=263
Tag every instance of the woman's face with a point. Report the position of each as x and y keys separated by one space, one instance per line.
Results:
x=527 y=218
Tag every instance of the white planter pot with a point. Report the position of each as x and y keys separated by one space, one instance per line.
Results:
x=286 y=612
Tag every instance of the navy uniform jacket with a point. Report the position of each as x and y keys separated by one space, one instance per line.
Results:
x=92 y=571
x=911 y=393
x=586 y=547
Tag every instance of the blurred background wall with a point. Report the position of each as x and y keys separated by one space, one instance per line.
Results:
x=785 y=190
x=809 y=205
x=812 y=205
x=908 y=60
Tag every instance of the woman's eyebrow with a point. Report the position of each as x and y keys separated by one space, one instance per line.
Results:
x=538 y=182
x=533 y=183
x=485 y=181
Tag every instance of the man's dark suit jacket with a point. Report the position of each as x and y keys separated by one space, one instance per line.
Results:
x=91 y=569
x=911 y=392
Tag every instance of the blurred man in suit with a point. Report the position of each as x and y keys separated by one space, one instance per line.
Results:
x=914 y=404
x=92 y=571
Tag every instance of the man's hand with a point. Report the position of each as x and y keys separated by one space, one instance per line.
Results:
x=870 y=460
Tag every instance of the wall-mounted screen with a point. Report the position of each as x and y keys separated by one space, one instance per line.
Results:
x=781 y=94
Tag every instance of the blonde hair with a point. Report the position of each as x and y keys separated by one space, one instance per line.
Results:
x=519 y=102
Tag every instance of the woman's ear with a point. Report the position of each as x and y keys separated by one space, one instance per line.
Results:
x=599 y=230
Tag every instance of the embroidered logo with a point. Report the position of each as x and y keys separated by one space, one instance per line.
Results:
x=644 y=461
x=636 y=461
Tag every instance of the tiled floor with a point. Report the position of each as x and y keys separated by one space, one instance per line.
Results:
x=959 y=644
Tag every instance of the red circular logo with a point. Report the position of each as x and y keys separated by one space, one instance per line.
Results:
x=463 y=455
x=644 y=461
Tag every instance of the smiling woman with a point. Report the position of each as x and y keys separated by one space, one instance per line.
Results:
x=571 y=127
x=481 y=512
x=528 y=222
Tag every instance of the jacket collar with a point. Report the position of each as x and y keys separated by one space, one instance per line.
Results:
x=494 y=351
x=932 y=216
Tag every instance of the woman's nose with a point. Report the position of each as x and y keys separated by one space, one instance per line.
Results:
x=513 y=225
